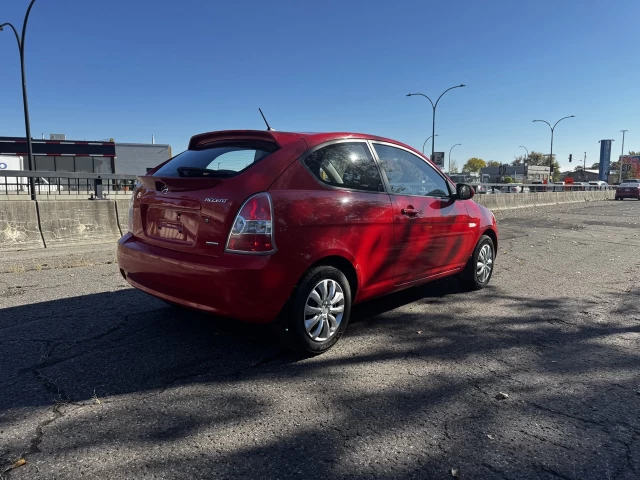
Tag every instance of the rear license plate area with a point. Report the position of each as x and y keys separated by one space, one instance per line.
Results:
x=171 y=225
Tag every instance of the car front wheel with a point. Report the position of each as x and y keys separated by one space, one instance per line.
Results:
x=479 y=268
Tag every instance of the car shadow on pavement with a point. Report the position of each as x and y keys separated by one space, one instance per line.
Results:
x=410 y=391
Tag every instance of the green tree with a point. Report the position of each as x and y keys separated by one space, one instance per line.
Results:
x=454 y=167
x=595 y=166
x=508 y=179
x=493 y=163
x=539 y=159
x=474 y=165
x=534 y=158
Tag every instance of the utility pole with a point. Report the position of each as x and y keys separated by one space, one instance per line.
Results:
x=621 y=162
x=584 y=167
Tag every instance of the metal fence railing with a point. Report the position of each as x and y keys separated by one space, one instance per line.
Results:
x=94 y=185
x=494 y=188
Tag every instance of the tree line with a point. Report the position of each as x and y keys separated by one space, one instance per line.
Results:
x=474 y=164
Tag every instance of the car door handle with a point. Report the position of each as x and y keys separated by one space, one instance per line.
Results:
x=409 y=211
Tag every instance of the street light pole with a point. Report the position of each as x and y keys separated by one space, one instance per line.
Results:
x=527 y=153
x=621 y=163
x=524 y=175
x=425 y=142
x=450 y=156
x=584 y=167
x=552 y=130
x=27 y=123
x=434 y=106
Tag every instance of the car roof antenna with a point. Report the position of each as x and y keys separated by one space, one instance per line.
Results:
x=265 y=121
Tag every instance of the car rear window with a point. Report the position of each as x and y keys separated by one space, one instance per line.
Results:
x=221 y=160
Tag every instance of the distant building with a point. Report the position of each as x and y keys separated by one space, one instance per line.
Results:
x=519 y=173
x=138 y=158
x=464 y=177
x=578 y=176
x=62 y=155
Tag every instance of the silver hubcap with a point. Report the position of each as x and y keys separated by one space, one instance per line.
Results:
x=485 y=263
x=323 y=310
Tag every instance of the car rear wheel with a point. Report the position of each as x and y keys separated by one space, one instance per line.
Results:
x=479 y=268
x=320 y=310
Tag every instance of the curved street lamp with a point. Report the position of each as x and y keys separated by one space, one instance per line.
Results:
x=27 y=124
x=425 y=142
x=434 y=105
x=450 y=156
x=552 y=129
x=527 y=153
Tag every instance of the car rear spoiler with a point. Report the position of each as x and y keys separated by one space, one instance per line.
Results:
x=225 y=135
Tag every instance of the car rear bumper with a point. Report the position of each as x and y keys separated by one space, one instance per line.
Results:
x=252 y=288
x=627 y=195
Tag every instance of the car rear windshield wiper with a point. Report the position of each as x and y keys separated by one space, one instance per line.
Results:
x=203 y=172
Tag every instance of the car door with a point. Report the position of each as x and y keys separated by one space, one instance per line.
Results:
x=431 y=229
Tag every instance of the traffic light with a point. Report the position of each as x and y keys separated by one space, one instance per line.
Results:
x=570 y=157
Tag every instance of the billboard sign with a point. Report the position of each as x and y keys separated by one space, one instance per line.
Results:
x=438 y=159
x=630 y=164
x=605 y=160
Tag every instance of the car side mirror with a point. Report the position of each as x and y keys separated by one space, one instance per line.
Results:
x=464 y=191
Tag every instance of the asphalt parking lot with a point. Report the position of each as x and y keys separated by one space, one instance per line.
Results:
x=102 y=381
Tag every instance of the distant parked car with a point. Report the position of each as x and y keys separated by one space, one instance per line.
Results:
x=598 y=185
x=628 y=190
x=481 y=189
x=538 y=186
x=579 y=186
x=515 y=189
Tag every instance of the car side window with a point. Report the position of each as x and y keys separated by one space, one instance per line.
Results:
x=346 y=165
x=409 y=174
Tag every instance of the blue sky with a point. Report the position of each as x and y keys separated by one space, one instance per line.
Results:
x=130 y=69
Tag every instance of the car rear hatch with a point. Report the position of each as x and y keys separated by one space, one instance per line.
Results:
x=189 y=203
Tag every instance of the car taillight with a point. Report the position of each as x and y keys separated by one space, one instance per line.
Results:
x=130 y=223
x=131 y=202
x=252 y=229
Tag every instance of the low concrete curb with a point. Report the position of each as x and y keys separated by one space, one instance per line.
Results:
x=19 y=226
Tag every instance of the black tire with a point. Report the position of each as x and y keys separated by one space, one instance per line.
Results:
x=617 y=198
x=469 y=276
x=295 y=334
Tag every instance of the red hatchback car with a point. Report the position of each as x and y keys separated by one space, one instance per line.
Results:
x=294 y=228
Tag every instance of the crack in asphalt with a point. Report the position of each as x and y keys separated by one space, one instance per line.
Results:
x=555 y=473
x=494 y=470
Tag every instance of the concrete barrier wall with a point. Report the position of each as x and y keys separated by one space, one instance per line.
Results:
x=19 y=226
x=74 y=222
x=122 y=207
x=82 y=222
x=507 y=201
